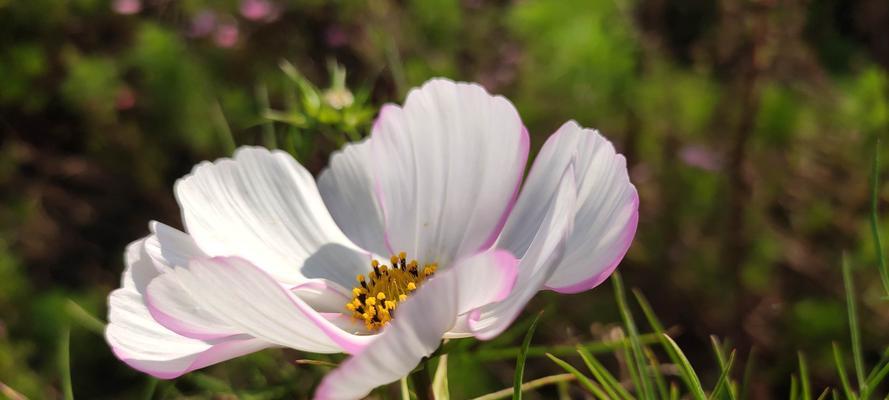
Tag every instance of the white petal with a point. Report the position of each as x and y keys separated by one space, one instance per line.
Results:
x=173 y=306
x=347 y=187
x=540 y=257
x=251 y=301
x=447 y=168
x=323 y=296
x=414 y=333
x=262 y=206
x=484 y=278
x=607 y=206
x=138 y=340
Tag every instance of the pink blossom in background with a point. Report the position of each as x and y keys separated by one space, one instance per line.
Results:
x=256 y=10
x=226 y=35
x=701 y=157
x=203 y=24
x=126 y=7
x=126 y=98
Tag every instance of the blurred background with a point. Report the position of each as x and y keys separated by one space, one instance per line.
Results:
x=749 y=128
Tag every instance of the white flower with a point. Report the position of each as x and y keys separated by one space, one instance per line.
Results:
x=270 y=257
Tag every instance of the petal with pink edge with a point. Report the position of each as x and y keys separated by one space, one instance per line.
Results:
x=539 y=258
x=447 y=169
x=262 y=206
x=607 y=206
x=250 y=300
x=138 y=340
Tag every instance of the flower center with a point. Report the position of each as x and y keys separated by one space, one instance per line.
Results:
x=375 y=299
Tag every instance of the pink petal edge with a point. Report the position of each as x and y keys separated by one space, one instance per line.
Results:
x=597 y=279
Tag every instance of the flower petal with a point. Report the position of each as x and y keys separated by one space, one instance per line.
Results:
x=171 y=305
x=251 y=301
x=607 y=206
x=138 y=340
x=484 y=278
x=539 y=258
x=262 y=206
x=347 y=187
x=447 y=169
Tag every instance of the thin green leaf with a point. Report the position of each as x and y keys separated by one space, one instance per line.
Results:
x=748 y=374
x=520 y=361
x=589 y=385
x=854 y=329
x=405 y=391
x=268 y=128
x=875 y=379
x=150 y=388
x=804 y=377
x=841 y=371
x=794 y=388
x=561 y=380
x=674 y=392
x=595 y=347
x=609 y=383
x=65 y=362
x=824 y=394
x=723 y=377
x=632 y=368
x=440 y=380
x=659 y=382
x=84 y=318
x=685 y=368
x=645 y=389
x=718 y=350
x=875 y=217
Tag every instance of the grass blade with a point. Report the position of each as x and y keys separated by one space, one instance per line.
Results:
x=605 y=378
x=560 y=379
x=520 y=361
x=65 y=363
x=659 y=381
x=718 y=350
x=440 y=380
x=854 y=329
x=723 y=378
x=875 y=218
x=581 y=378
x=824 y=394
x=804 y=377
x=645 y=388
x=685 y=369
x=748 y=374
x=794 y=388
x=841 y=371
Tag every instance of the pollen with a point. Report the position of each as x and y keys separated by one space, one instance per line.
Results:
x=376 y=297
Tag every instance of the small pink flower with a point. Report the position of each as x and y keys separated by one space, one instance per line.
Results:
x=126 y=7
x=256 y=10
x=126 y=98
x=273 y=257
x=226 y=34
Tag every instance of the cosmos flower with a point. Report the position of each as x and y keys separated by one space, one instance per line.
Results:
x=415 y=234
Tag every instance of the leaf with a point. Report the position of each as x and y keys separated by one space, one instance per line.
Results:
x=685 y=368
x=874 y=216
x=581 y=378
x=645 y=388
x=440 y=380
x=520 y=362
x=804 y=377
x=723 y=378
x=65 y=363
x=841 y=371
x=605 y=378
x=854 y=329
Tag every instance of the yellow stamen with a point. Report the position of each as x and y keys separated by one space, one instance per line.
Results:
x=377 y=295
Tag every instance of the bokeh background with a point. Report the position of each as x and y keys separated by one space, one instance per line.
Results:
x=749 y=128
